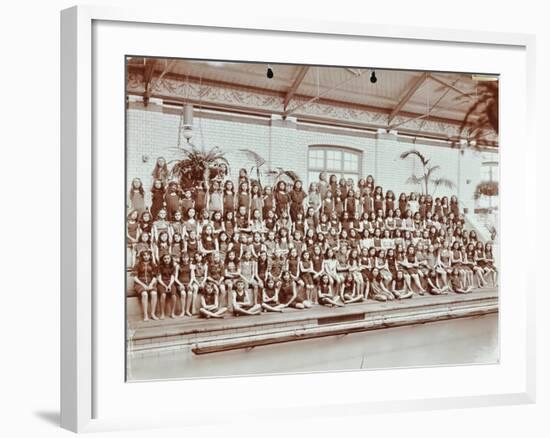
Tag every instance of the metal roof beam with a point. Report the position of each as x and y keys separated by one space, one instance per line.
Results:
x=294 y=87
x=450 y=86
x=417 y=83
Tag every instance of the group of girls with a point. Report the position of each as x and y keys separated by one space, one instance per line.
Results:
x=210 y=249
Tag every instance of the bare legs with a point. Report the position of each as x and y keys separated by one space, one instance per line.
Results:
x=144 y=304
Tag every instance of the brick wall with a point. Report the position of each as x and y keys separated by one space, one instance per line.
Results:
x=153 y=132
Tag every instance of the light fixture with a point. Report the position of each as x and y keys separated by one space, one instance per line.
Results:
x=484 y=78
x=373 y=78
x=186 y=124
x=187 y=133
x=269 y=73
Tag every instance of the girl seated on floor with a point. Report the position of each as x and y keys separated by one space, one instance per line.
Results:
x=457 y=285
x=325 y=294
x=210 y=307
x=431 y=284
x=241 y=301
x=350 y=291
x=270 y=297
x=290 y=295
x=399 y=286
x=378 y=290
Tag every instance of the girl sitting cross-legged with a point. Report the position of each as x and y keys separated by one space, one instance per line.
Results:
x=270 y=297
x=242 y=303
x=210 y=305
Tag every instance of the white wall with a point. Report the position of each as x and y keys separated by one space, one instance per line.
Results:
x=152 y=132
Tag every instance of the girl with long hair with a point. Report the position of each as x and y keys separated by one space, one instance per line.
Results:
x=136 y=196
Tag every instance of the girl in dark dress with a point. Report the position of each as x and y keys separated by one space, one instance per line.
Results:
x=256 y=199
x=157 y=200
x=229 y=201
x=143 y=244
x=187 y=203
x=166 y=284
x=270 y=297
x=162 y=247
x=145 y=283
x=390 y=201
x=229 y=223
x=243 y=200
x=199 y=276
x=306 y=275
x=399 y=286
x=183 y=281
x=327 y=207
x=132 y=231
x=216 y=276
x=200 y=197
x=268 y=201
x=172 y=199
x=325 y=293
x=333 y=184
x=210 y=302
x=410 y=263
x=281 y=199
x=453 y=206
x=288 y=293
x=178 y=246
x=160 y=171
x=242 y=303
x=146 y=223
x=296 y=197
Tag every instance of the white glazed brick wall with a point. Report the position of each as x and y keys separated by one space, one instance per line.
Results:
x=152 y=133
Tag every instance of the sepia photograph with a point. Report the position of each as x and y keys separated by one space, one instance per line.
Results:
x=303 y=218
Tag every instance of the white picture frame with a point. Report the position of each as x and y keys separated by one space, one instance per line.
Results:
x=84 y=385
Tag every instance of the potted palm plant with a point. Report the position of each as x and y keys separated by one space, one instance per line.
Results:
x=427 y=177
x=197 y=166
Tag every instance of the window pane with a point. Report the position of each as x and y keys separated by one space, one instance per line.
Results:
x=317 y=158
x=351 y=161
x=334 y=160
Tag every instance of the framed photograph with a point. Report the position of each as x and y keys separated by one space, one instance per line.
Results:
x=268 y=206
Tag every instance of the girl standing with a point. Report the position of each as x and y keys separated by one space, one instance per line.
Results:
x=306 y=275
x=157 y=201
x=137 y=196
x=281 y=199
x=215 y=200
x=166 y=283
x=296 y=197
x=145 y=283
x=160 y=171
x=183 y=281
x=229 y=200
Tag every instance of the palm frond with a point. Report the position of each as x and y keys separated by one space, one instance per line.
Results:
x=292 y=175
x=416 y=180
x=443 y=182
x=254 y=156
x=431 y=170
x=416 y=153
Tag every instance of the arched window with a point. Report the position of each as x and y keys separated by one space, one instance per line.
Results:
x=342 y=161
